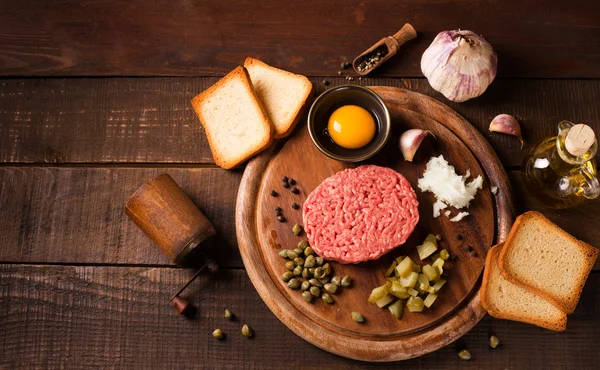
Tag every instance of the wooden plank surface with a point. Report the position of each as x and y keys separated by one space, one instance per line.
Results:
x=150 y=120
x=75 y=215
x=88 y=317
x=175 y=38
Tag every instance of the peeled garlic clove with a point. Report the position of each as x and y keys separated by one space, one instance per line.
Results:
x=410 y=141
x=459 y=64
x=507 y=124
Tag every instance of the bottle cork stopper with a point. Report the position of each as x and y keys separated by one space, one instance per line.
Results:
x=579 y=139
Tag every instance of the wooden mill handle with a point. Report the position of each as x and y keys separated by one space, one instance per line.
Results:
x=406 y=33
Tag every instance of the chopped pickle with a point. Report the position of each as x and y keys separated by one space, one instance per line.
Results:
x=431 y=239
x=391 y=269
x=426 y=249
x=410 y=281
x=440 y=270
x=399 y=291
x=438 y=262
x=431 y=297
x=385 y=301
x=404 y=268
x=397 y=308
x=399 y=259
x=416 y=268
x=378 y=293
x=444 y=254
x=415 y=304
x=439 y=284
x=424 y=287
x=430 y=272
x=434 y=256
x=431 y=290
x=412 y=292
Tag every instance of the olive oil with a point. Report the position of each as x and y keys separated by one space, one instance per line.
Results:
x=560 y=172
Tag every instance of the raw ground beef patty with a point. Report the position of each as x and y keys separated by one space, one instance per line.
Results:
x=360 y=214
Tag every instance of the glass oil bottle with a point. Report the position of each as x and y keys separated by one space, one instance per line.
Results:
x=560 y=172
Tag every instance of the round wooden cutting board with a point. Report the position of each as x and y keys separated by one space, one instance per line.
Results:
x=381 y=338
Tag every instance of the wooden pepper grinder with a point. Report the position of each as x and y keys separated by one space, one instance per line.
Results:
x=169 y=217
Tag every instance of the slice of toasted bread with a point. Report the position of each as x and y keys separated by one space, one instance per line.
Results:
x=542 y=257
x=282 y=93
x=234 y=120
x=505 y=300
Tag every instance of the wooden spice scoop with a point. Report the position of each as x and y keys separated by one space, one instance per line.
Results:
x=388 y=46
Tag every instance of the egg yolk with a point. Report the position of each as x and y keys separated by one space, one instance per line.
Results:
x=351 y=127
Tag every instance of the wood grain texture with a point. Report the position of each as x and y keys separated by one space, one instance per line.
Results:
x=105 y=317
x=260 y=237
x=49 y=214
x=175 y=38
x=76 y=215
x=150 y=120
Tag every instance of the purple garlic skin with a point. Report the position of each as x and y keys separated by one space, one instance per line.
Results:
x=459 y=64
x=507 y=124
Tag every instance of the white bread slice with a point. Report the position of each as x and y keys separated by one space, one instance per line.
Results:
x=540 y=256
x=234 y=120
x=505 y=300
x=282 y=93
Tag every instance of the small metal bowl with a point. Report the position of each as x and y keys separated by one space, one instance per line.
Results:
x=334 y=98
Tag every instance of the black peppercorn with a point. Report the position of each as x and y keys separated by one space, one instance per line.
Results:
x=292 y=182
x=340 y=73
x=295 y=190
x=278 y=209
x=295 y=206
x=325 y=82
x=280 y=218
x=284 y=179
x=273 y=193
x=286 y=185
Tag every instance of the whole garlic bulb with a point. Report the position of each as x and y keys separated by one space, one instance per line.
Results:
x=459 y=64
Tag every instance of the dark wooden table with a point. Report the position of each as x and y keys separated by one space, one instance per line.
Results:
x=94 y=101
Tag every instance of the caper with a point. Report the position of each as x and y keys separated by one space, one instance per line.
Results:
x=315 y=282
x=290 y=265
x=305 y=273
x=464 y=354
x=299 y=261
x=326 y=269
x=494 y=341
x=297 y=229
x=346 y=281
x=302 y=244
x=318 y=272
x=314 y=291
x=324 y=280
x=305 y=285
x=298 y=251
x=336 y=280
x=356 y=316
x=297 y=271
x=311 y=270
x=287 y=276
x=294 y=283
x=291 y=254
x=283 y=253
x=228 y=315
x=218 y=334
x=330 y=288
x=309 y=261
x=308 y=251
x=246 y=331
x=320 y=261
x=327 y=298
x=307 y=296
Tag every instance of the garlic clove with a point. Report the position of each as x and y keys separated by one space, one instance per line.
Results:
x=459 y=64
x=410 y=141
x=507 y=124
